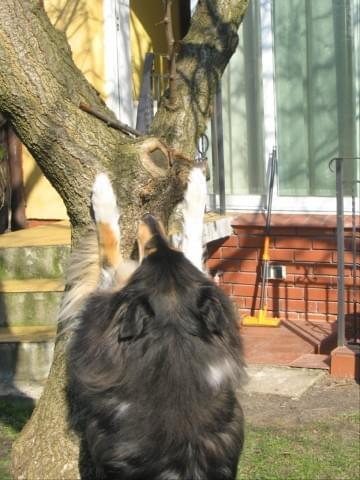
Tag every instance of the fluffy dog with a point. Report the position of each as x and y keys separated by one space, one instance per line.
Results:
x=154 y=361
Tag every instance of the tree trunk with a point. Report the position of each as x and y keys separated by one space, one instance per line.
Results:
x=40 y=92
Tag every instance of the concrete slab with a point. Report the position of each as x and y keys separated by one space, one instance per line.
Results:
x=283 y=381
x=31 y=391
x=263 y=379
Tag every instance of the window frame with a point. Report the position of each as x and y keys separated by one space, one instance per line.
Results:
x=118 y=65
x=287 y=204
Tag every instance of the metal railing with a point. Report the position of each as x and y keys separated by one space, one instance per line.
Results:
x=354 y=330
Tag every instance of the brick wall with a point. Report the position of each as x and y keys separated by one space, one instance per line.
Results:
x=306 y=245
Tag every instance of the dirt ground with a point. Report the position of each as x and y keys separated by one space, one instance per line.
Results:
x=328 y=397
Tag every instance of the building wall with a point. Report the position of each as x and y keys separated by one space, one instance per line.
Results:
x=147 y=34
x=306 y=246
x=84 y=30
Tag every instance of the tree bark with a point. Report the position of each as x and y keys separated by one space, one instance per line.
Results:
x=40 y=92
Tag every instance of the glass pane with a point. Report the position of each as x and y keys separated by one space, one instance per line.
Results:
x=243 y=116
x=315 y=92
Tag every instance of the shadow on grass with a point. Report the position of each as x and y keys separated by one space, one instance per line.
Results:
x=14 y=413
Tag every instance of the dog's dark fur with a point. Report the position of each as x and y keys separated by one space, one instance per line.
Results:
x=155 y=367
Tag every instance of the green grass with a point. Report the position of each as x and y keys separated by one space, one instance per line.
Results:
x=326 y=450
x=13 y=416
x=323 y=450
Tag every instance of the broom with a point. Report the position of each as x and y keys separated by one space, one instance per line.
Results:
x=262 y=320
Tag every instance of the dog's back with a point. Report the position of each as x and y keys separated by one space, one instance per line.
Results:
x=156 y=366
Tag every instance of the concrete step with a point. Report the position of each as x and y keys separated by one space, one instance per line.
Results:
x=30 y=302
x=33 y=262
x=26 y=354
x=39 y=252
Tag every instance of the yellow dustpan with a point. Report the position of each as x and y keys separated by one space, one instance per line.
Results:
x=262 y=320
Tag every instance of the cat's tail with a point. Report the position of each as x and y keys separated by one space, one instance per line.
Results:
x=95 y=262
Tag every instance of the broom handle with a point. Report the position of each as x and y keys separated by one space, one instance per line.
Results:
x=264 y=272
x=265 y=256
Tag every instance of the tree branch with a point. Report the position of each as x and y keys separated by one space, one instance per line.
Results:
x=110 y=122
x=201 y=60
x=41 y=90
x=171 y=54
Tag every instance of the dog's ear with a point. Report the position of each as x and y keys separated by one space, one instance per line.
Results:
x=133 y=318
x=211 y=310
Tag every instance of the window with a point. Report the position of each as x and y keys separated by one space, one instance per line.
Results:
x=315 y=92
x=294 y=84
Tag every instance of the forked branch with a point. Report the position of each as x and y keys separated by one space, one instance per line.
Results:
x=171 y=53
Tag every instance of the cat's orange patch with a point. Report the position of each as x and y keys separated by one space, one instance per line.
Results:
x=109 y=245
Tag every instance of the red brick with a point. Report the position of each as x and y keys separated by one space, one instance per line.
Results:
x=250 y=241
x=234 y=253
x=314 y=256
x=214 y=253
x=231 y=241
x=327 y=294
x=214 y=248
x=316 y=317
x=327 y=307
x=239 y=265
x=325 y=270
x=249 y=266
x=230 y=265
x=316 y=232
x=289 y=280
x=248 y=230
x=292 y=316
x=299 y=269
x=298 y=305
x=324 y=244
x=281 y=255
x=239 y=277
x=348 y=257
x=294 y=293
x=314 y=281
x=214 y=264
x=244 y=290
x=227 y=288
x=289 y=232
x=293 y=242
x=272 y=304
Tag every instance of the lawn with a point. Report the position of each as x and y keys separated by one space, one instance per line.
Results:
x=13 y=416
x=321 y=450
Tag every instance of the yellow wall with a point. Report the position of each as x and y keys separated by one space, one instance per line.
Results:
x=147 y=34
x=84 y=30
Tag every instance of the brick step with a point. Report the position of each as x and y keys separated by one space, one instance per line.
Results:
x=26 y=354
x=30 y=302
x=287 y=343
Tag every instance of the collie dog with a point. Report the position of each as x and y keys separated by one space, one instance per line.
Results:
x=155 y=358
